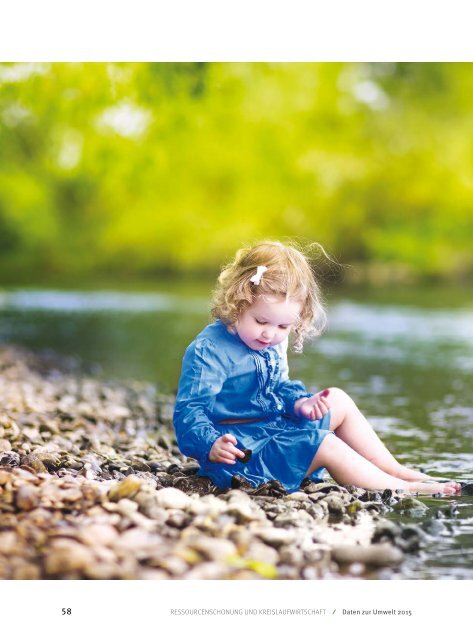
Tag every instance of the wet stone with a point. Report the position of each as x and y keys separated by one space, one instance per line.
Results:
x=410 y=506
x=467 y=489
x=411 y=538
x=386 y=531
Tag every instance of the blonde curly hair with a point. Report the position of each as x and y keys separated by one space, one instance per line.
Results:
x=288 y=275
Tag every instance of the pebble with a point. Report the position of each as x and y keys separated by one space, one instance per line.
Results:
x=410 y=506
x=245 y=512
x=291 y=555
x=275 y=536
x=297 y=496
x=98 y=534
x=294 y=519
x=208 y=571
x=213 y=548
x=66 y=556
x=127 y=488
x=377 y=555
x=335 y=505
x=27 y=497
x=467 y=489
x=171 y=498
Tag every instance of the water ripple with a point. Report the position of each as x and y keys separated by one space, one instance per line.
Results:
x=424 y=325
x=97 y=301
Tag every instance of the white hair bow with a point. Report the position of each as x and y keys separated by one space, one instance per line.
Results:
x=256 y=279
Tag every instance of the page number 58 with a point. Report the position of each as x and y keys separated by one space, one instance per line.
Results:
x=66 y=612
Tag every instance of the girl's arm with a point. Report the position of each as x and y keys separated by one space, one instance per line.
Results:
x=289 y=390
x=204 y=371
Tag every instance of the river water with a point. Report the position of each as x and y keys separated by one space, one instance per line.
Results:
x=405 y=357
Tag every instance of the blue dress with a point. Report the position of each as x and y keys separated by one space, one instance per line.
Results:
x=223 y=379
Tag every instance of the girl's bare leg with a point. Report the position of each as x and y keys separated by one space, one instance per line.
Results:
x=354 y=429
x=346 y=466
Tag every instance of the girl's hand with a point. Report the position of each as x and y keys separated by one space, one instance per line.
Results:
x=313 y=408
x=224 y=450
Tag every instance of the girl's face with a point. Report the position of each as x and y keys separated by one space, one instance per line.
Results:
x=267 y=322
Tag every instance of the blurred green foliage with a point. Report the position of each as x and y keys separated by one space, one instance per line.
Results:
x=161 y=168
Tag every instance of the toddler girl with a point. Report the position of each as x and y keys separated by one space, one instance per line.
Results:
x=235 y=393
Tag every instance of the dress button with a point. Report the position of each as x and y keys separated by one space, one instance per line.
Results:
x=279 y=407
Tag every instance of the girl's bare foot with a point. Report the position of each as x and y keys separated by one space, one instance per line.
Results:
x=449 y=488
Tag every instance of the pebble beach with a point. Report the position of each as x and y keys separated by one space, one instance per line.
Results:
x=93 y=486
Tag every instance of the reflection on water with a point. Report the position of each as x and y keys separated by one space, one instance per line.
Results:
x=409 y=368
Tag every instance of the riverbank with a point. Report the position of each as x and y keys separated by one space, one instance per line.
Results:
x=92 y=485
